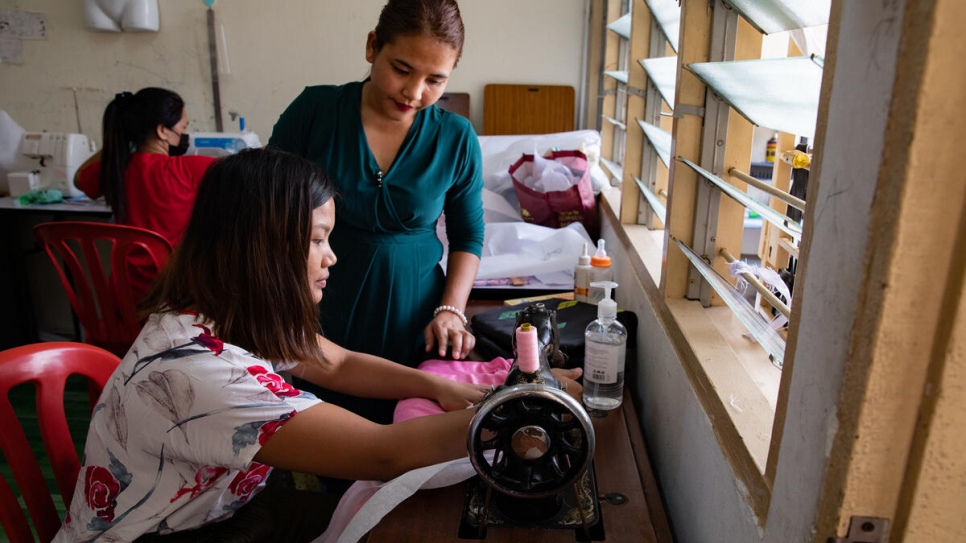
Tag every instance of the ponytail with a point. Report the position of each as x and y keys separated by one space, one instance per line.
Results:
x=116 y=153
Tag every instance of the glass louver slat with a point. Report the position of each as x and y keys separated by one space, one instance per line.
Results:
x=784 y=223
x=622 y=26
x=668 y=16
x=770 y=16
x=656 y=204
x=618 y=75
x=759 y=329
x=660 y=139
x=615 y=169
x=663 y=72
x=777 y=93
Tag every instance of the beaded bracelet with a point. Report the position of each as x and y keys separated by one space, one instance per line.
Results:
x=451 y=309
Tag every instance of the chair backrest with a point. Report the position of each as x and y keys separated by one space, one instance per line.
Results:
x=46 y=366
x=104 y=298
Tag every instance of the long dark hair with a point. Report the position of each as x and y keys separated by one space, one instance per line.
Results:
x=439 y=19
x=129 y=120
x=243 y=260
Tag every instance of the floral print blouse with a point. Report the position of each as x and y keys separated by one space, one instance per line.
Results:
x=173 y=434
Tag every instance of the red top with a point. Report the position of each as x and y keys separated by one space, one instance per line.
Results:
x=160 y=190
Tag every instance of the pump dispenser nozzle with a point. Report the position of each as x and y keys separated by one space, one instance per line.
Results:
x=606 y=308
x=600 y=270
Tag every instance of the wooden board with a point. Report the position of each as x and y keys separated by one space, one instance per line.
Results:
x=527 y=109
x=457 y=102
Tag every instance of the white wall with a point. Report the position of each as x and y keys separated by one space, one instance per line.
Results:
x=269 y=52
x=273 y=50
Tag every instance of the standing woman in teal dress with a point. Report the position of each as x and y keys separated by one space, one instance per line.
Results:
x=399 y=163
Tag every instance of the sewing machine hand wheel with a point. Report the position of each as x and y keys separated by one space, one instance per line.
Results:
x=542 y=440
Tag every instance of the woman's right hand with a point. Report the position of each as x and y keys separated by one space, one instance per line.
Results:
x=568 y=381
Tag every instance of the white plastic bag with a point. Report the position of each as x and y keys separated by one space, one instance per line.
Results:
x=519 y=249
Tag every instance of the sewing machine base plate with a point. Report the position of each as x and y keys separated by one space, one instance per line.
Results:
x=565 y=516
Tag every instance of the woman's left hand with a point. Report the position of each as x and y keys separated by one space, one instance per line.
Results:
x=457 y=395
x=447 y=332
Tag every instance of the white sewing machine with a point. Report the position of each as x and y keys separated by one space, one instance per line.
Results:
x=48 y=160
x=218 y=144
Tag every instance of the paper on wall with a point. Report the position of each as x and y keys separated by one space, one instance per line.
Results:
x=11 y=50
x=23 y=25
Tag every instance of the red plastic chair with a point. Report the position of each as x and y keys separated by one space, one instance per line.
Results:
x=104 y=300
x=46 y=366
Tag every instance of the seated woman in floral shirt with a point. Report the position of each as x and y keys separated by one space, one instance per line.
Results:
x=190 y=425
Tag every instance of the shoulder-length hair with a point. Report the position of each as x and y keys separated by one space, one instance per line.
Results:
x=242 y=262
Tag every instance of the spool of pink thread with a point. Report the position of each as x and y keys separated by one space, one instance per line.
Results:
x=527 y=348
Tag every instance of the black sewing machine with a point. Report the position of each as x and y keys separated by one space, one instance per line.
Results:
x=534 y=445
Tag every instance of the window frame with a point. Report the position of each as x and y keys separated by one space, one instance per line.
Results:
x=748 y=437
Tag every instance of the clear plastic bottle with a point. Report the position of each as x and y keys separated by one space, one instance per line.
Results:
x=582 y=277
x=605 y=349
x=600 y=270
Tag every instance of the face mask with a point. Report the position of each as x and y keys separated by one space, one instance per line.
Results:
x=181 y=148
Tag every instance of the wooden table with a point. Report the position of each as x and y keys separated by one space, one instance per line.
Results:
x=621 y=465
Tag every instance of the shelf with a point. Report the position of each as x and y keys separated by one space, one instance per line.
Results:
x=778 y=93
x=771 y=16
x=667 y=13
x=663 y=72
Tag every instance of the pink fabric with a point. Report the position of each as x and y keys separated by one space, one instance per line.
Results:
x=481 y=373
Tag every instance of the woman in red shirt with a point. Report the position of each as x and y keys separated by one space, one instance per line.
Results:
x=141 y=170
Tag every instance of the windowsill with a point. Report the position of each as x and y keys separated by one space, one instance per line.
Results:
x=731 y=376
x=737 y=390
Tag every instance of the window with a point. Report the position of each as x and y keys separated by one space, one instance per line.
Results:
x=705 y=92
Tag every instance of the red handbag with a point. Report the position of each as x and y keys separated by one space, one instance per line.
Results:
x=562 y=207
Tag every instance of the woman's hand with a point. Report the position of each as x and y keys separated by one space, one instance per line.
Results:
x=454 y=395
x=447 y=332
x=568 y=381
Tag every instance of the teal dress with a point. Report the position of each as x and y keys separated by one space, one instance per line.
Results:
x=382 y=291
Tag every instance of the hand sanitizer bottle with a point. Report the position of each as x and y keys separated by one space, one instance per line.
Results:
x=605 y=347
